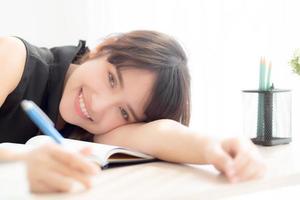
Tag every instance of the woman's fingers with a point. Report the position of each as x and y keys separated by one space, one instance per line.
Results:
x=241 y=164
x=249 y=172
x=57 y=169
x=70 y=172
x=73 y=165
x=57 y=182
x=248 y=163
x=74 y=160
x=222 y=160
x=41 y=187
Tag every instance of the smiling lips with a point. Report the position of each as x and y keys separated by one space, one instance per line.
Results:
x=82 y=107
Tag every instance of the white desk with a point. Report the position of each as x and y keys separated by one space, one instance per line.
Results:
x=173 y=181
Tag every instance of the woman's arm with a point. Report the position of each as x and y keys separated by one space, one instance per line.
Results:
x=12 y=62
x=170 y=141
x=164 y=139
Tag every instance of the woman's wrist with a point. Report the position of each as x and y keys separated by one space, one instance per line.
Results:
x=209 y=145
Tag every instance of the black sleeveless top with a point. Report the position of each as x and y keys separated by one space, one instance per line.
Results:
x=42 y=82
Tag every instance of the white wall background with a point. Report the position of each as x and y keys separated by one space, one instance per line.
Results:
x=224 y=40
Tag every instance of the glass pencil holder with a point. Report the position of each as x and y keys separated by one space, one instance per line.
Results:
x=267 y=116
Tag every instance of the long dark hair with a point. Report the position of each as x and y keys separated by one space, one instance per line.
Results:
x=160 y=53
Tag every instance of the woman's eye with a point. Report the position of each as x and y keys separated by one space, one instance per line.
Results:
x=124 y=114
x=111 y=80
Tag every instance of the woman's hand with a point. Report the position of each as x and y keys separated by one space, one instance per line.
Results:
x=54 y=169
x=237 y=158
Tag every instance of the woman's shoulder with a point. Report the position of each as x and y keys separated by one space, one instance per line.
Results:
x=12 y=62
x=12 y=46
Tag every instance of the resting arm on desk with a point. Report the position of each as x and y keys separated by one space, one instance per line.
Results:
x=168 y=140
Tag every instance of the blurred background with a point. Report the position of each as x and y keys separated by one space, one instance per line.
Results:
x=224 y=40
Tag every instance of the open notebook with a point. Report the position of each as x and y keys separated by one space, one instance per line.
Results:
x=104 y=155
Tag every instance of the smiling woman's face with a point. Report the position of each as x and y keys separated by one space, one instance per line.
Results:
x=98 y=97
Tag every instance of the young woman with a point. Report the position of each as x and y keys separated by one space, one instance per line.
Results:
x=132 y=90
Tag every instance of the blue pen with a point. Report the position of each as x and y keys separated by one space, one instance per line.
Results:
x=41 y=120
